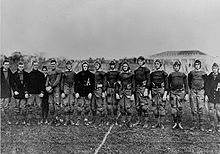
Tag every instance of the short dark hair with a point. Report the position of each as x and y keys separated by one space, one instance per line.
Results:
x=5 y=61
x=53 y=61
x=20 y=63
x=34 y=62
x=44 y=68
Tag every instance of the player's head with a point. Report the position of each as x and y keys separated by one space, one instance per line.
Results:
x=177 y=65
x=69 y=65
x=197 y=64
x=5 y=64
x=141 y=60
x=112 y=65
x=125 y=66
x=215 y=68
x=44 y=69
x=157 y=64
x=35 y=65
x=97 y=65
x=53 y=64
x=85 y=66
x=20 y=66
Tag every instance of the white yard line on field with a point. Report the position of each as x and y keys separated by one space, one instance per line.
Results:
x=104 y=139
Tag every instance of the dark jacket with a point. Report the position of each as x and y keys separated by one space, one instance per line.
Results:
x=36 y=82
x=84 y=83
x=6 y=84
x=211 y=87
x=17 y=85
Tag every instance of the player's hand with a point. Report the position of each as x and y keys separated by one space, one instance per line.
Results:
x=145 y=92
x=90 y=96
x=48 y=89
x=206 y=98
x=41 y=95
x=117 y=96
x=16 y=93
x=26 y=95
x=77 y=95
x=103 y=95
x=150 y=96
x=132 y=97
x=187 y=97
x=63 y=95
x=164 y=97
x=168 y=97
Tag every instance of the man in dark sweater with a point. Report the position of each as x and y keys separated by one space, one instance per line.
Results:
x=20 y=89
x=6 y=83
x=125 y=94
x=36 y=92
x=98 y=104
x=112 y=103
x=196 y=81
x=178 y=90
x=142 y=85
x=212 y=90
x=159 y=88
x=68 y=92
x=84 y=88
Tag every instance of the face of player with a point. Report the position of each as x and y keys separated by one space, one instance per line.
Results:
x=125 y=67
x=97 y=66
x=20 y=68
x=69 y=66
x=112 y=67
x=157 y=65
x=85 y=67
x=6 y=65
x=44 y=71
x=140 y=62
x=197 y=66
x=53 y=65
x=215 y=69
x=176 y=68
x=35 y=66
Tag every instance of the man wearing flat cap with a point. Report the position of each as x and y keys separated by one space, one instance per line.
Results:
x=212 y=90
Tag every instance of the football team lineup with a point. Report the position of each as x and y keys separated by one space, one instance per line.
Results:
x=101 y=108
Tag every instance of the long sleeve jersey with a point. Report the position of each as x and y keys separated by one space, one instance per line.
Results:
x=177 y=80
x=159 y=79
x=142 y=77
x=54 y=78
x=36 y=82
x=68 y=79
x=112 y=78
x=84 y=83
x=100 y=79
x=126 y=80
x=197 y=79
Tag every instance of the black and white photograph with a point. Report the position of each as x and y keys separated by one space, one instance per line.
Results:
x=110 y=76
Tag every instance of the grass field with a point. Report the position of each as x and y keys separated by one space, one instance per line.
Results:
x=16 y=139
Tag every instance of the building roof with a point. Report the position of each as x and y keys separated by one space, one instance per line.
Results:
x=179 y=53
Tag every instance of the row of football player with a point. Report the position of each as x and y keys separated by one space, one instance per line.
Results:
x=115 y=95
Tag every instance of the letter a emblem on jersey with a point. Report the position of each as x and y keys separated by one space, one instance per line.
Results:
x=88 y=82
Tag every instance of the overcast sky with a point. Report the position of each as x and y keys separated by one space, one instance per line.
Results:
x=109 y=28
